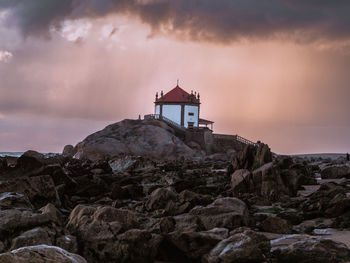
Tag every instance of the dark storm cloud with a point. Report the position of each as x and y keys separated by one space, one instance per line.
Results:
x=216 y=20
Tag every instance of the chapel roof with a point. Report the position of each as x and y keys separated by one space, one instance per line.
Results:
x=177 y=94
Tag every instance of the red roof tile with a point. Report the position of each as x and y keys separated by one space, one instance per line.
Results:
x=177 y=94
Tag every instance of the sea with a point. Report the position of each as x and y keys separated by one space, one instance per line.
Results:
x=18 y=154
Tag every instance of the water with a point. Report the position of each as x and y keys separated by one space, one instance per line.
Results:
x=18 y=154
x=11 y=154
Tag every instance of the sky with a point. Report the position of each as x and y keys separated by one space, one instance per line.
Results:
x=277 y=71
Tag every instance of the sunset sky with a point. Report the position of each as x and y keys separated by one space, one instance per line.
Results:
x=276 y=71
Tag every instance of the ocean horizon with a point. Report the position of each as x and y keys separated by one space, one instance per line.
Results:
x=18 y=154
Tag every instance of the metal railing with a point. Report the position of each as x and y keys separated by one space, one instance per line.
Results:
x=234 y=137
x=165 y=119
x=244 y=140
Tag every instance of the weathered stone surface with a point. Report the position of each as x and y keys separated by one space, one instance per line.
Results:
x=35 y=236
x=334 y=172
x=247 y=246
x=14 y=220
x=68 y=151
x=53 y=213
x=39 y=189
x=277 y=225
x=160 y=198
x=68 y=242
x=150 y=138
x=30 y=160
x=309 y=249
x=272 y=180
x=10 y=200
x=40 y=254
x=252 y=157
x=240 y=181
x=329 y=200
x=99 y=230
x=194 y=245
x=225 y=212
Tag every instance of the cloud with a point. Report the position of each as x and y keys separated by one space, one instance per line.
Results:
x=5 y=56
x=219 y=20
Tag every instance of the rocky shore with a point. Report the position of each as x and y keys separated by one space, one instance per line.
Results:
x=249 y=207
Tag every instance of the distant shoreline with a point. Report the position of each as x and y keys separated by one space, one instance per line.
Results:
x=18 y=154
x=332 y=156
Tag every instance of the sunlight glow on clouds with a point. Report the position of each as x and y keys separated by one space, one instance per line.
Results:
x=5 y=56
x=74 y=30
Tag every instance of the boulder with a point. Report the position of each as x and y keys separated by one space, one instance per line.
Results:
x=129 y=163
x=135 y=246
x=309 y=249
x=42 y=254
x=330 y=200
x=3 y=164
x=252 y=157
x=193 y=245
x=35 y=236
x=228 y=212
x=68 y=151
x=39 y=189
x=247 y=246
x=240 y=181
x=68 y=242
x=98 y=230
x=10 y=200
x=160 y=198
x=148 y=138
x=30 y=160
x=15 y=220
x=269 y=181
x=335 y=172
x=277 y=225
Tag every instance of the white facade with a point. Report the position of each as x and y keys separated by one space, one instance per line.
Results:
x=191 y=115
x=157 y=110
x=172 y=112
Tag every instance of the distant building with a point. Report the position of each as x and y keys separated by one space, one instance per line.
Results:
x=181 y=111
x=180 y=107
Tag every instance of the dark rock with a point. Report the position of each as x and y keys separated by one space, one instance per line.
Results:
x=68 y=151
x=329 y=200
x=247 y=246
x=39 y=189
x=119 y=192
x=40 y=253
x=13 y=220
x=252 y=157
x=160 y=198
x=308 y=249
x=277 y=225
x=98 y=230
x=195 y=244
x=270 y=180
x=10 y=200
x=335 y=172
x=35 y=236
x=30 y=160
x=225 y=212
x=3 y=164
x=68 y=242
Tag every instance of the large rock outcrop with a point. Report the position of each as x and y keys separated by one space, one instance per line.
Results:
x=148 y=138
x=282 y=177
x=252 y=157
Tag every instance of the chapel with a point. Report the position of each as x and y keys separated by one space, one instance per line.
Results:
x=181 y=108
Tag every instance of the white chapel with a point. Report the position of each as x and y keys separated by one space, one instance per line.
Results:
x=180 y=107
